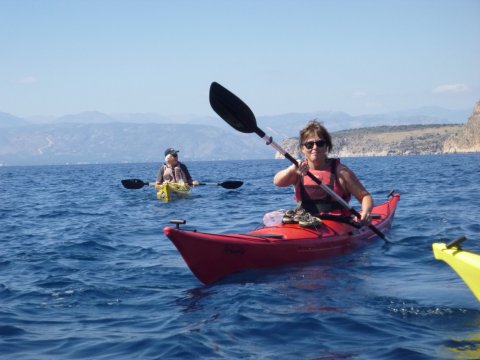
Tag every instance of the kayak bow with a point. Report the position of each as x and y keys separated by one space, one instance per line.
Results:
x=213 y=256
x=465 y=263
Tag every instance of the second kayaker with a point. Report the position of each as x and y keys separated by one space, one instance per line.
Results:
x=315 y=143
x=173 y=170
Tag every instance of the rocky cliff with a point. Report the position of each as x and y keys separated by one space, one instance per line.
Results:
x=384 y=141
x=467 y=139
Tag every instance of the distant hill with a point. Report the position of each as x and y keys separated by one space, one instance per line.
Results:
x=95 y=137
x=452 y=116
x=402 y=139
x=286 y=125
x=117 y=143
x=384 y=141
x=289 y=125
x=8 y=120
x=87 y=117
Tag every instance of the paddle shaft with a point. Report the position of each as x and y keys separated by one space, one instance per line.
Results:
x=332 y=193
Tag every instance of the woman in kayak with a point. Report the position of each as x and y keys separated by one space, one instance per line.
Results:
x=173 y=170
x=315 y=143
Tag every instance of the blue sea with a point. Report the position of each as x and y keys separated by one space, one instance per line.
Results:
x=87 y=273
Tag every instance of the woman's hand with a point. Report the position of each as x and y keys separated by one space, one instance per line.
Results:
x=367 y=206
x=366 y=217
x=289 y=176
x=302 y=168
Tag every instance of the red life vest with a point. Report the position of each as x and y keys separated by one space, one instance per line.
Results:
x=316 y=200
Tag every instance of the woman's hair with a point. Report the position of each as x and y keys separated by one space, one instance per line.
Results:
x=315 y=128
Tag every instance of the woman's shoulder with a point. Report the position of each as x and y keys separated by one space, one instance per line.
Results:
x=336 y=164
x=341 y=168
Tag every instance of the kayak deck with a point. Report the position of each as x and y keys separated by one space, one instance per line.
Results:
x=213 y=256
x=465 y=263
x=169 y=191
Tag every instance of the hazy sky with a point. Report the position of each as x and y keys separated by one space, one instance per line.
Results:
x=279 y=56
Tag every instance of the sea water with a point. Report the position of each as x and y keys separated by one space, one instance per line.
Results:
x=86 y=271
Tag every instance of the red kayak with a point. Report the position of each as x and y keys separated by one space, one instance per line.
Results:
x=213 y=256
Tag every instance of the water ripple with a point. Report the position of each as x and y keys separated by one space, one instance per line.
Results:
x=86 y=272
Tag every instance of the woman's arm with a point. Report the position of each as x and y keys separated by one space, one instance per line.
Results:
x=286 y=177
x=351 y=183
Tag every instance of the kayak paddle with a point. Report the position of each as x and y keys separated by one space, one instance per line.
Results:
x=138 y=184
x=239 y=116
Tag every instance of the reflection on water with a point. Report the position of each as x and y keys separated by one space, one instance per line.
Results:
x=192 y=301
x=465 y=349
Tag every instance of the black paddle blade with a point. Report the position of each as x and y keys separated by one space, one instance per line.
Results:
x=231 y=184
x=231 y=109
x=133 y=183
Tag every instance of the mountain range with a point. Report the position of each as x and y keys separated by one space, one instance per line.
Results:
x=96 y=137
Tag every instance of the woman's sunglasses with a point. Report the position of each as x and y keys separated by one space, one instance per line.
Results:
x=319 y=143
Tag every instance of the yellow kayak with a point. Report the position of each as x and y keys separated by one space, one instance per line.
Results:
x=465 y=263
x=169 y=191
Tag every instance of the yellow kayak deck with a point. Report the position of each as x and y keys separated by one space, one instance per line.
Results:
x=170 y=191
x=465 y=263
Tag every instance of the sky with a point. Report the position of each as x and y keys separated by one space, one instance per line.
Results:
x=279 y=56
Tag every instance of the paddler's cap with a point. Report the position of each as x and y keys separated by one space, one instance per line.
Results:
x=171 y=151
